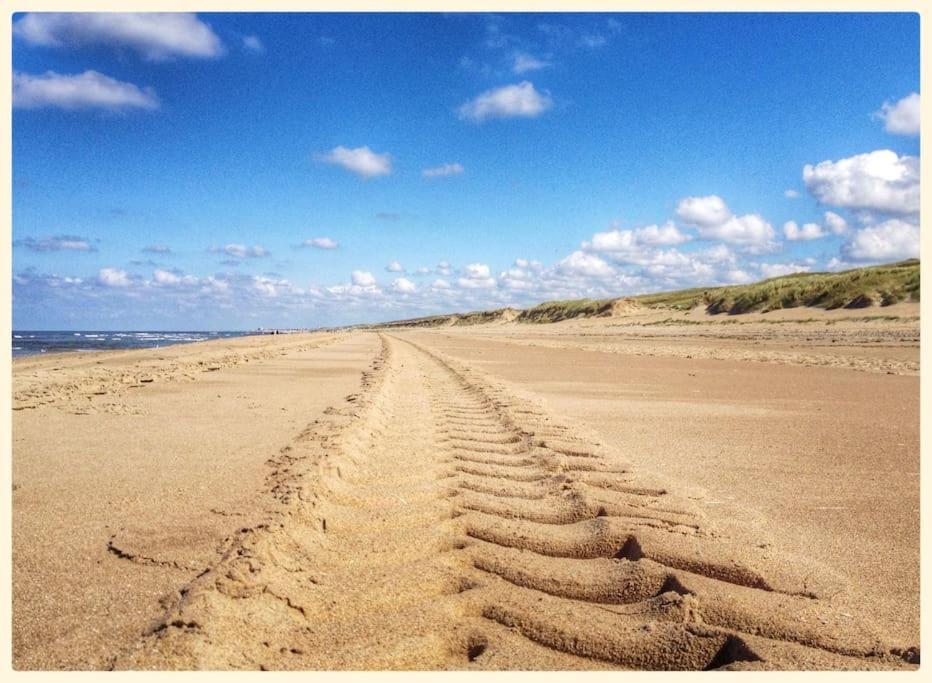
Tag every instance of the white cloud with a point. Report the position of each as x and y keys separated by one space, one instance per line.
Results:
x=713 y=219
x=476 y=276
x=157 y=249
x=241 y=251
x=113 y=277
x=394 y=267
x=769 y=270
x=891 y=240
x=790 y=194
x=171 y=278
x=632 y=240
x=320 y=243
x=518 y=100
x=524 y=62
x=877 y=181
x=154 y=35
x=476 y=270
x=587 y=265
x=362 y=278
x=88 y=90
x=738 y=277
x=362 y=161
x=273 y=287
x=403 y=285
x=703 y=211
x=443 y=170
x=835 y=223
x=901 y=118
x=440 y=283
x=165 y=277
x=809 y=231
x=253 y=44
x=750 y=231
x=444 y=268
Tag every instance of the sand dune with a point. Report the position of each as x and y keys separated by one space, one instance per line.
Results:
x=441 y=517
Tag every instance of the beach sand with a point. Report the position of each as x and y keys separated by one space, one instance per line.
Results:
x=648 y=491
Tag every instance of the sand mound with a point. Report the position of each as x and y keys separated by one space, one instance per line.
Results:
x=440 y=520
x=624 y=307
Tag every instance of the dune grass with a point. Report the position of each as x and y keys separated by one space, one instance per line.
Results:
x=857 y=288
x=554 y=311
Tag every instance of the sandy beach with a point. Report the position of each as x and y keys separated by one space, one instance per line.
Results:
x=654 y=490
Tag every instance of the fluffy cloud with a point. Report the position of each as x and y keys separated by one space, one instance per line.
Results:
x=714 y=221
x=476 y=276
x=271 y=288
x=394 y=267
x=154 y=35
x=518 y=100
x=113 y=277
x=523 y=62
x=403 y=285
x=88 y=90
x=809 y=231
x=891 y=240
x=901 y=118
x=241 y=251
x=58 y=243
x=362 y=161
x=362 y=278
x=165 y=277
x=703 y=211
x=171 y=278
x=320 y=243
x=443 y=170
x=878 y=181
x=633 y=240
x=835 y=223
x=750 y=231
x=587 y=265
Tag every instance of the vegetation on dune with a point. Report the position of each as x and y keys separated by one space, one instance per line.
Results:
x=555 y=311
x=858 y=288
x=471 y=318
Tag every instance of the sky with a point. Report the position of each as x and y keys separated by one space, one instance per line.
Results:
x=236 y=171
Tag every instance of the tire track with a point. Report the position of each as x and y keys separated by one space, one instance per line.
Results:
x=440 y=520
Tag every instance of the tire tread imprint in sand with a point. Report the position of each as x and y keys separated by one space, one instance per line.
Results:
x=403 y=539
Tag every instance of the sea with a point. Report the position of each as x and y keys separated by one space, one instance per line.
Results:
x=32 y=342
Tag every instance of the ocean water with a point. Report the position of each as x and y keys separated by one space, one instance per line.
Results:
x=29 y=343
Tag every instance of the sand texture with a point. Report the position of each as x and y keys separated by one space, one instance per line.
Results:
x=460 y=499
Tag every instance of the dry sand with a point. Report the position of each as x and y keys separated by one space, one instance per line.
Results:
x=497 y=497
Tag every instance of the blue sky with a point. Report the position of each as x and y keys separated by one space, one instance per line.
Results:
x=230 y=171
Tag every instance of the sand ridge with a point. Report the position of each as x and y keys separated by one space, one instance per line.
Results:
x=440 y=519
